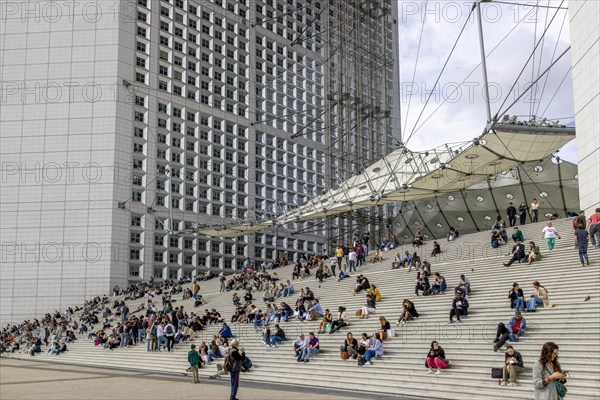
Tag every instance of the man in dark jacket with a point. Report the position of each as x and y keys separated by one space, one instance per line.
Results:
x=511 y=214
x=237 y=357
x=513 y=365
x=518 y=253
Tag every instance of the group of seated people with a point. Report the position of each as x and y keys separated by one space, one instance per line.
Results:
x=389 y=244
x=410 y=261
x=539 y=297
x=520 y=254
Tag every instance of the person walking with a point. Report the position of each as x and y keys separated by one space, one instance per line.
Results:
x=352 y=260
x=196 y=290
x=549 y=233
x=236 y=356
x=581 y=240
x=194 y=360
x=594 y=224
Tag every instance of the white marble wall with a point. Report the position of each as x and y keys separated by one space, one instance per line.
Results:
x=585 y=31
x=58 y=62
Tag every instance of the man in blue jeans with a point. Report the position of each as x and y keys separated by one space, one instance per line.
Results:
x=516 y=326
x=352 y=260
x=581 y=239
x=236 y=357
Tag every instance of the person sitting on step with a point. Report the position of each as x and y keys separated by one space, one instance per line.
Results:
x=534 y=253
x=374 y=291
x=312 y=348
x=516 y=327
x=340 y=322
x=436 y=358
x=300 y=311
x=517 y=234
x=453 y=234
x=369 y=307
x=377 y=257
x=539 y=296
x=326 y=320
x=398 y=262
x=436 y=249
x=362 y=283
x=385 y=328
x=350 y=346
x=299 y=344
x=375 y=349
x=426 y=267
x=513 y=365
x=465 y=283
x=277 y=337
x=343 y=273
x=422 y=284
x=518 y=253
x=415 y=262
x=315 y=311
x=517 y=298
x=439 y=284
x=496 y=240
x=418 y=240
x=460 y=306
x=408 y=312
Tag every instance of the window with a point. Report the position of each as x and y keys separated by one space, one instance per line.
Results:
x=134 y=254
x=136 y=221
x=138 y=148
x=141 y=47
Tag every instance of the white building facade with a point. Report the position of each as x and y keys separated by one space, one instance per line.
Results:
x=126 y=124
x=584 y=19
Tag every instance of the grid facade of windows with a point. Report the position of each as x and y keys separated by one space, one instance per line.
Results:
x=233 y=127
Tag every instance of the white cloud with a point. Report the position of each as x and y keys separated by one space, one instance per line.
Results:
x=462 y=116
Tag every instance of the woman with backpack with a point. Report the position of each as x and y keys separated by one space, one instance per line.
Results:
x=233 y=365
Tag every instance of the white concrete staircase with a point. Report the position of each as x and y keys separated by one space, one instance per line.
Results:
x=574 y=324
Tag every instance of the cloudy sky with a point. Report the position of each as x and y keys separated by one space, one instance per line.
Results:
x=510 y=34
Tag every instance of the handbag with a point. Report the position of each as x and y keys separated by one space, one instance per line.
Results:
x=496 y=373
x=391 y=333
x=561 y=389
x=328 y=327
x=344 y=355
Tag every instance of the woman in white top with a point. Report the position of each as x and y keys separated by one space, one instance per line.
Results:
x=534 y=210
x=550 y=234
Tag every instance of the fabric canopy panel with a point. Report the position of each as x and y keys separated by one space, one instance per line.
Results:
x=403 y=175
x=552 y=181
x=235 y=230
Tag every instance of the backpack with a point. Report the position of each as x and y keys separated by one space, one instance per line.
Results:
x=153 y=330
x=227 y=364
x=169 y=329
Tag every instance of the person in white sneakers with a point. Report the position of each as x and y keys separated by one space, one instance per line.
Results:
x=436 y=358
x=549 y=233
